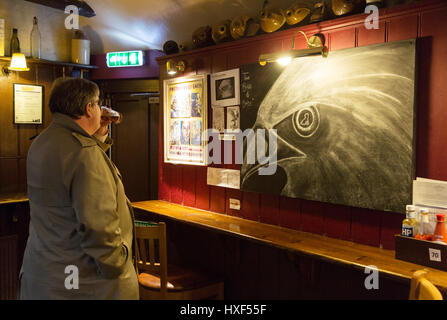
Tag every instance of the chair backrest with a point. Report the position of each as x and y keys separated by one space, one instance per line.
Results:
x=151 y=251
x=423 y=289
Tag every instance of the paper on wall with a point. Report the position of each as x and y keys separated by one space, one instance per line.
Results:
x=223 y=177
x=431 y=193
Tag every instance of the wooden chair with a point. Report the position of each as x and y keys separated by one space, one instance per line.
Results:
x=422 y=289
x=158 y=280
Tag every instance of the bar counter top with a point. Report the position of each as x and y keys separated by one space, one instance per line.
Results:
x=13 y=198
x=321 y=247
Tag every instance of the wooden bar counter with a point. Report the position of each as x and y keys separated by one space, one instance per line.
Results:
x=331 y=250
x=13 y=198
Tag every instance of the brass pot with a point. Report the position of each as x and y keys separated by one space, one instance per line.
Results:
x=202 y=37
x=243 y=26
x=272 y=19
x=319 y=12
x=296 y=13
x=221 y=32
x=342 y=7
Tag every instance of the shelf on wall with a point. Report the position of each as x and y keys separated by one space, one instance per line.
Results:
x=52 y=62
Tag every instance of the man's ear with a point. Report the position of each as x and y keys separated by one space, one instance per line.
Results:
x=89 y=110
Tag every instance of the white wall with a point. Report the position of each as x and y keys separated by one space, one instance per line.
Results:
x=56 y=40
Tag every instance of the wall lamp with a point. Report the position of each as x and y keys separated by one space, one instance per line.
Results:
x=173 y=67
x=315 y=46
x=18 y=63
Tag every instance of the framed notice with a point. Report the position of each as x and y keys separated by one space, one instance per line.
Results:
x=225 y=88
x=185 y=119
x=28 y=104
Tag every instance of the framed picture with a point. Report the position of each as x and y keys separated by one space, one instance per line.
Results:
x=233 y=116
x=28 y=104
x=185 y=119
x=219 y=119
x=225 y=88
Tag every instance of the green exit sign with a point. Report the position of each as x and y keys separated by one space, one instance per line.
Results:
x=124 y=59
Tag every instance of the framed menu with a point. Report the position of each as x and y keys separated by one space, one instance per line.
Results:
x=28 y=104
x=185 y=119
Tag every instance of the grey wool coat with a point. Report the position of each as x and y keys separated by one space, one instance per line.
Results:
x=81 y=228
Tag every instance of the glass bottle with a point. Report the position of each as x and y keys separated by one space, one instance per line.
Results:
x=15 y=43
x=35 y=40
x=425 y=232
x=440 y=235
x=409 y=222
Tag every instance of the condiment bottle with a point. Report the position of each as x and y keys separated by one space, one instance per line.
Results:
x=424 y=227
x=409 y=222
x=440 y=235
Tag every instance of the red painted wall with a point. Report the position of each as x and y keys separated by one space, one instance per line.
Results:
x=425 y=20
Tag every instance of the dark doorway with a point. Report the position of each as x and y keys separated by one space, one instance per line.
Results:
x=135 y=139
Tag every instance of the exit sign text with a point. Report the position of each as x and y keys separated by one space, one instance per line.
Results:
x=124 y=59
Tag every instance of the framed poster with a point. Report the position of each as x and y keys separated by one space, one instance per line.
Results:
x=28 y=104
x=225 y=88
x=185 y=119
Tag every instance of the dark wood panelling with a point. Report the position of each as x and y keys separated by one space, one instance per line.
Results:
x=176 y=183
x=189 y=186
x=202 y=189
x=217 y=199
x=433 y=26
x=403 y=28
x=365 y=226
x=366 y=37
x=8 y=133
x=390 y=225
x=312 y=216
x=424 y=20
x=342 y=39
x=269 y=209
x=289 y=213
x=9 y=175
x=250 y=206
x=335 y=222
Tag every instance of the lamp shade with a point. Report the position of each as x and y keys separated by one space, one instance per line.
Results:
x=18 y=62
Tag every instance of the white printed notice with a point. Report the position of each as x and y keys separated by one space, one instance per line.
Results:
x=28 y=102
x=432 y=193
x=223 y=177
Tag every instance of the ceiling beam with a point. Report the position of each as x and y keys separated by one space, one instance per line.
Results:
x=84 y=9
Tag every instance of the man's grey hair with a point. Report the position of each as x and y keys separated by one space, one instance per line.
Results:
x=71 y=95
